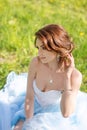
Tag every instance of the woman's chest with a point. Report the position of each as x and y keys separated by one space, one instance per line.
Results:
x=47 y=81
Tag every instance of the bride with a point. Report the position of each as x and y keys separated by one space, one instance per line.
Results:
x=53 y=100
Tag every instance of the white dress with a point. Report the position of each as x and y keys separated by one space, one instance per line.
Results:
x=47 y=113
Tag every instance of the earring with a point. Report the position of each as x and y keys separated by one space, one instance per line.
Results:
x=58 y=57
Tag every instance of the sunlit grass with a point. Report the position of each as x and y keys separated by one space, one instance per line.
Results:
x=19 y=19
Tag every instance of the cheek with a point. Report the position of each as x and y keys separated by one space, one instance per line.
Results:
x=51 y=56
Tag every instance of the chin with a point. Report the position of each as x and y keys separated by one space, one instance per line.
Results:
x=44 y=61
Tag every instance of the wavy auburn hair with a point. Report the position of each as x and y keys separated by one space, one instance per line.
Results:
x=54 y=37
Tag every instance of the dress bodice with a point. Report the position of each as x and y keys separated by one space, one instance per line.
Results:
x=46 y=98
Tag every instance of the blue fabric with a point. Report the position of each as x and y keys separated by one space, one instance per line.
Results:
x=5 y=118
x=45 y=117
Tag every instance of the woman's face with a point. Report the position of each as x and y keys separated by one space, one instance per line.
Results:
x=45 y=55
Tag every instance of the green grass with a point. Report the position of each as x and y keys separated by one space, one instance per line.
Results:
x=19 y=19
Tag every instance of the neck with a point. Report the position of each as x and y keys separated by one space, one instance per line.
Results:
x=53 y=65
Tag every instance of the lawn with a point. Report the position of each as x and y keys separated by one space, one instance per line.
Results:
x=19 y=19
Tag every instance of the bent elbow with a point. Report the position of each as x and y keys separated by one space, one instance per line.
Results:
x=66 y=114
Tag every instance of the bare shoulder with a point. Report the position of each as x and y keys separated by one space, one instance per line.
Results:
x=76 y=74
x=33 y=67
x=34 y=62
x=76 y=78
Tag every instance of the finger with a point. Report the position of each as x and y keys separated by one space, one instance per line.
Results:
x=67 y=62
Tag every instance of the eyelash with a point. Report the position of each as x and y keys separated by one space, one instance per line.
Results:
x=36 y=47
x=44 y=48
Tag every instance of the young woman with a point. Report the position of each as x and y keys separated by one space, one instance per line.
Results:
x=53 y=79
x=53 y=100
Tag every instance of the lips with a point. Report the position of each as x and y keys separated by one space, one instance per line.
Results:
x=42 y=58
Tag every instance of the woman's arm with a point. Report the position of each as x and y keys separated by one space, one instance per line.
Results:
x=72 y=83
x=29 y=101
x=69 y=94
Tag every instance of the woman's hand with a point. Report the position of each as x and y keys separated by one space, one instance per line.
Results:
x=69 y=65
x=68 y=68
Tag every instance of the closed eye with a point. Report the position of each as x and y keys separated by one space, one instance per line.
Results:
x=42 y=46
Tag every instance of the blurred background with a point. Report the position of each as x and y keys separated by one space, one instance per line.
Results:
x=20 y=19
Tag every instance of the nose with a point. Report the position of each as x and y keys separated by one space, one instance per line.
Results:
x=40 y=52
